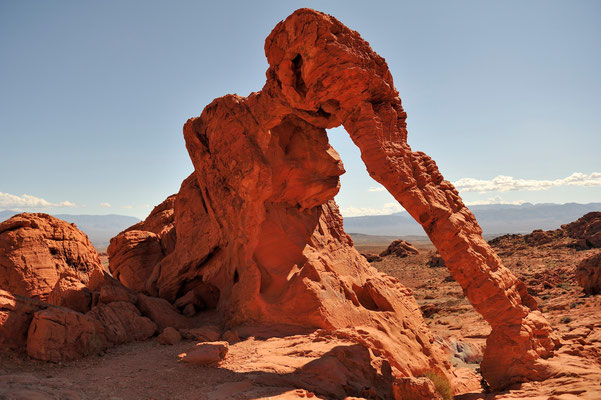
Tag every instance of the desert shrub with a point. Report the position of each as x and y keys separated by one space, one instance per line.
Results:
x=441 y=383
x=566 y=320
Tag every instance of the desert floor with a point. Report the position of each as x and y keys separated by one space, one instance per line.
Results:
x=148 y=370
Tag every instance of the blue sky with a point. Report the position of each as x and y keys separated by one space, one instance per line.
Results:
x=505 y=96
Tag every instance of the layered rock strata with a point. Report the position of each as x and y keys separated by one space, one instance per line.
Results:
x=36 y=250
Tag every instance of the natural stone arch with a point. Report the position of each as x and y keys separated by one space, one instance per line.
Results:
x=257 y=221
x=330 y=76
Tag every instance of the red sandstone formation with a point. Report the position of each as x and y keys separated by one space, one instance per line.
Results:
x=582 y=234
x=16 y=313
x=258 y=235
x=134 y=252
x=59 y=334
x=588 y=274
x=205 y=353
x=436 y=261
x=161 y=312
x=71 y=293
x=399 y=248
x=37 y=249
x=586 y=229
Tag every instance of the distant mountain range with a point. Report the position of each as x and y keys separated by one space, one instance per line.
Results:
x=495 y=219
x=99 y=228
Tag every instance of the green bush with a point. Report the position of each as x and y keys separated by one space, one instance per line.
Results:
x=441 y=383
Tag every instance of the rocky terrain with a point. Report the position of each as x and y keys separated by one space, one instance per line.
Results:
x=549 y=263
x=253 y=289
x=250 y=368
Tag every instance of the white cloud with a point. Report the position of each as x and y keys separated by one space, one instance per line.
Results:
x=504 y=183
x=376 y=189
x=493 y=200
x=26 y=201
x=386 y=209
x=128 y=207
x=105 y=205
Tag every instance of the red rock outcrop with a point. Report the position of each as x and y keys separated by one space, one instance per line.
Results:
x=70 y=292
x=134 y=252
x=37 y=249
x=436 y=261
x=586 y=229
x=16 y=314
x=582 y=234
x=60 y=334
x=259 y=237
x=588 y=274
x=399 y=248
x=161 y=312
x=122 y=322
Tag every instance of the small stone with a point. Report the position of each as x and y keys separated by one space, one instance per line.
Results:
x=169 y=336
x=205 y=353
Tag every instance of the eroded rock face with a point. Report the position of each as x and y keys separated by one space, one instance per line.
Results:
x=16 y=314
x=587 y=229
x=60 y=334
x=71 y=293
x=588 y=274
x=123 y=322
x=36 y=250
x=134 y=252
x=259 y=237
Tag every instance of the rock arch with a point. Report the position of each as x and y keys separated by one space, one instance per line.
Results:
x=257 y=218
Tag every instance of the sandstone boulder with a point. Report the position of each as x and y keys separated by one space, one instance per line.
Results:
x=132 y=255
x=169 y=336
x=162 y=312
x=123 y=322
x=436 y=261
x=205 y=353
x=70 y=292
x=60 y=334
x=16 y=314
x=399 y=248
x=588 y=274
x=107 y=289
x=110 y=293
x=539 y=237
x=135 y=252
x=37 y=249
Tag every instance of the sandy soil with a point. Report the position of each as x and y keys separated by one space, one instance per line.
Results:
x=147 y=370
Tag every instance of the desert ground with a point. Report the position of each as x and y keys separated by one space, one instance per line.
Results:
x=149 y=370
